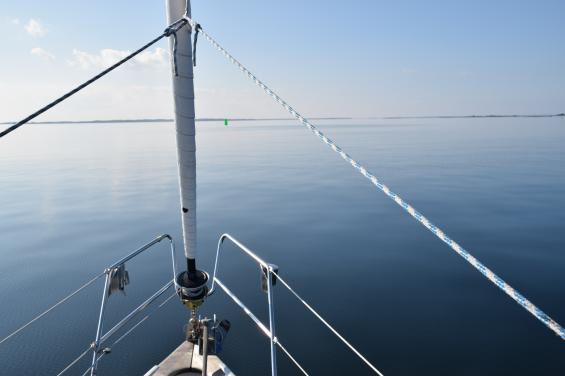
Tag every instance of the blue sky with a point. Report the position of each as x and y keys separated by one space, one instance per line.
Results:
x=327 y=58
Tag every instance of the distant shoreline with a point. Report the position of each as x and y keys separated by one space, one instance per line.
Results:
x=274 y=119
x=168 y=120
x=468 y=116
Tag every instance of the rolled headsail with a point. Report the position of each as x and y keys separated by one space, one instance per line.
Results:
x=183 y=91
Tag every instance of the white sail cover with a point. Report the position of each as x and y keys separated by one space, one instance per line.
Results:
x=183 y=91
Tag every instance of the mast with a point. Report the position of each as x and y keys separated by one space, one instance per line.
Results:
x=193 y=281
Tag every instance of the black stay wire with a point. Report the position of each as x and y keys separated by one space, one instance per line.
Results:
x=170 y=30
x=197 y=28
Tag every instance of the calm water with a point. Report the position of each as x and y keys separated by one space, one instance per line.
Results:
x=74 y=198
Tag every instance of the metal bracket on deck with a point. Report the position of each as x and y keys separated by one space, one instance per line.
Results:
x=209 y=335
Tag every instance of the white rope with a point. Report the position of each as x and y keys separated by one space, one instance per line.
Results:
x=489 y=274
x=51 y=308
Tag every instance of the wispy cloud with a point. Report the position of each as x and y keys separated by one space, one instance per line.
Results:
x=35 y=28
x=16 y=21
x=42 y=54
x=106 y=57
x=158 y=57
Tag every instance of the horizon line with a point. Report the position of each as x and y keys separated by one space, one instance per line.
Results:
x=170 y=120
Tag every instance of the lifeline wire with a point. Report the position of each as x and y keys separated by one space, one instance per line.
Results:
x=489 y=274
x=51 y=308
x=69 y=366
x=266 y=331
x=116 y=341
x=319 y=317
x=142 y=320
x=170 y=30
x=259 y=324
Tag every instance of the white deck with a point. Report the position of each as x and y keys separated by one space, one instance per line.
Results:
x=186 y=357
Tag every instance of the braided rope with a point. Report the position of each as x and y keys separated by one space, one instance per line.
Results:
x=489 y=274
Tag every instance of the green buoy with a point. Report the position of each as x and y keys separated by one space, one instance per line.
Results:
x=226 y=122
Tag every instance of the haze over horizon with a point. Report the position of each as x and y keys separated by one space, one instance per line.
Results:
x=167 y=120
x=365 y=59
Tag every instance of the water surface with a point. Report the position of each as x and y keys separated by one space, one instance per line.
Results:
x=74 y=198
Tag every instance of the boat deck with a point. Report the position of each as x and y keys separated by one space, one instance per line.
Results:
x=186 y=361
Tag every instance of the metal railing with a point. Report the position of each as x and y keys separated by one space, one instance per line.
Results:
x=271 y=275
x=101 y=337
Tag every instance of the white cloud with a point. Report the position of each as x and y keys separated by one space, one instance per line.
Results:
x=106 y=57
x=16 y=21
x=35 y=29
x=158 y=57
x=42 y=54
